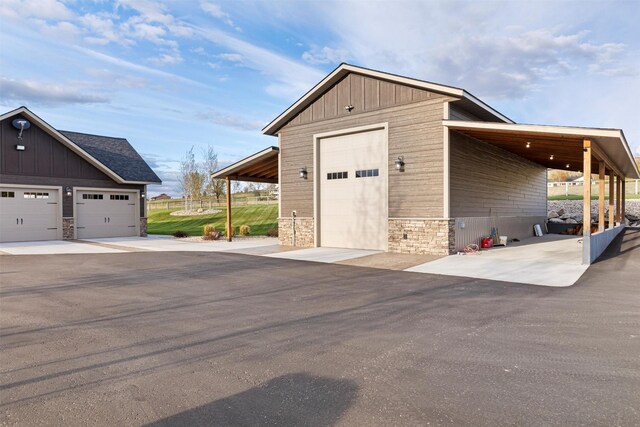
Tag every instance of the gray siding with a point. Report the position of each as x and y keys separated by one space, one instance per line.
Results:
x=415 y=132
x=488 y=181
x=46 y=161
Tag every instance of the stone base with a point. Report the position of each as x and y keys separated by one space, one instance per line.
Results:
x=304 y=233
x=422 y=236
x=68 y=229
x=143 y=227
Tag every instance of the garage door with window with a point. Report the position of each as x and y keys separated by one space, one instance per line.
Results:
x=105 y=214
x=353 y=191
x=29 y=214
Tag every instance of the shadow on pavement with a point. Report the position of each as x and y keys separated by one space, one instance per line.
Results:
x=293 y=399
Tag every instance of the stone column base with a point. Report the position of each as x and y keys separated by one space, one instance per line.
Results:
x=68 y=228
x=422 y=236
x=304 y=232
x=143 y=227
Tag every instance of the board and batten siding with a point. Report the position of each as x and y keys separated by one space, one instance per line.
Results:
x=414 y=120
x=488 y=181
x=46 y=161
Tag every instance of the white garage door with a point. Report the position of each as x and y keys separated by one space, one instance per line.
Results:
x=105 y=214
x=28 y=214
x=353 y=191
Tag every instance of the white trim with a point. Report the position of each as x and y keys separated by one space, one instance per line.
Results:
x=345 y=69
x=279 y=174
x=59 y=233
x=446 y=179
x=316 y=172
x=105 y=190
x=71 y=145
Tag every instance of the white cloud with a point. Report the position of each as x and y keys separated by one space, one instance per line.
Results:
x=170 y=58
x=35 y=92
x=325 y=55
x=231 y=121
x=231 y=57
x=44 y=9
x=216 y=11
x=103 y=30
x=61 y=30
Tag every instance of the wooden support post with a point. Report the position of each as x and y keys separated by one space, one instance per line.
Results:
x=229 y=231
x=618 y=191
x=612 y=198
x=601 y=174
x=586 y=174
x=586 y=205
x=623 y=200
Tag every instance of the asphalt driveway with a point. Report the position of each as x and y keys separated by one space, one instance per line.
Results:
x=230 y=339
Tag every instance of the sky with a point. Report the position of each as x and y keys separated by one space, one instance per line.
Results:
x=171 y=75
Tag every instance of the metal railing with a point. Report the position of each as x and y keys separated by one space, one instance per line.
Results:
x=632 y=186
x=208 y=203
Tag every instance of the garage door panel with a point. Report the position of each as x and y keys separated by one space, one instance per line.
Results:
x=30 y=214
x=353 y=210
x=106 y=214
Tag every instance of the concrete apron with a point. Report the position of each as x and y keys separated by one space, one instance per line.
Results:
x=328 y=255
x=551 y=260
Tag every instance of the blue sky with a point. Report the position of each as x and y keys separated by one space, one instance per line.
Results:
x=168 y=75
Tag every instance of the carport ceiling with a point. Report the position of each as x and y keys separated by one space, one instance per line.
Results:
x=554 y=147
x=259 y=167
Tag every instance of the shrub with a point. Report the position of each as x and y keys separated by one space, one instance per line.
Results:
x=273 y=232
x=180 y=234
x=245 y=230
x=208 y=229
x=228 y=232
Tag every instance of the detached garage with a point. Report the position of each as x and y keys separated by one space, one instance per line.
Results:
x=68 y=185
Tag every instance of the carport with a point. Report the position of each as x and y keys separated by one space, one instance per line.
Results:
x=603 y=152
x=259 y=167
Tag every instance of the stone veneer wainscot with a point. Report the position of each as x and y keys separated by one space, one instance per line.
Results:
x=423 y=236
x=304 y=232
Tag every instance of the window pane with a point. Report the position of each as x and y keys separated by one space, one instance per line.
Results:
x=375 y=172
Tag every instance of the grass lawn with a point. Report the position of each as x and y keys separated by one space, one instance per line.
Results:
x=576 y=197
x=260 y=218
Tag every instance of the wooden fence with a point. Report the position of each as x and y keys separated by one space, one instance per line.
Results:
x=632 y=186
x=175 y=204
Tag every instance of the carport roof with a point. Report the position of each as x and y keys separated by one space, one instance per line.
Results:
x=555 y=147
x=259 y=167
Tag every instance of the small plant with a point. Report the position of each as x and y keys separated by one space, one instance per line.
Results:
x=180 y=234
x=208 y=229
x=229 y=233
x=245 y=230
x=273 y=232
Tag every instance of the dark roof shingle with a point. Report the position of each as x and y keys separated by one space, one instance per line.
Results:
x=116 y=154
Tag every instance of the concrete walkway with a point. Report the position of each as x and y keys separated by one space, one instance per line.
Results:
x=551 y=260
x=329 y=255
x=169 y=244
x=54 y=247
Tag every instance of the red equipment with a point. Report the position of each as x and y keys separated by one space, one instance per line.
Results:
x=486 y=243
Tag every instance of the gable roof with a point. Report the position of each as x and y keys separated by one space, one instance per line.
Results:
x=464 y=97
x=116 y=154
x=113 y=156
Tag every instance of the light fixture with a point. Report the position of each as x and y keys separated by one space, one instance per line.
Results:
x=568 y=165
x=142 y=195
x=400 y=163
x=551 y=157
x=67 y=191
x=528 y=144
x=348 y=107
x=303 y=172
x=20 y=147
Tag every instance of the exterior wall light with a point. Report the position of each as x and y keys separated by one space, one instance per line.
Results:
x=142 y=195
x=67 y=191
x=400 y=164
x=303 y=172
x=20 y=147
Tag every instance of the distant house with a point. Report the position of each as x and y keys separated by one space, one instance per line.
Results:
x=163 y=196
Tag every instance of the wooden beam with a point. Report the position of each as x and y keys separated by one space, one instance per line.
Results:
x=618 y=191
x=601 y=175
x=586 y=207
x=612 y=198
x=229 y=232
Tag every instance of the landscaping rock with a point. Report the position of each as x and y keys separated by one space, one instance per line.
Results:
x=556 y=220
x=561 y=212
x=571 y=221
x=552 y=214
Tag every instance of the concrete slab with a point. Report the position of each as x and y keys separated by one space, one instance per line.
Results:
x=552 y=260
x=53 y=247
x=328 y=255
x=170 y=244
x=390 y=261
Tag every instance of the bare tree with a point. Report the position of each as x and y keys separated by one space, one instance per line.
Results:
x=191 y=179
x=213 y=187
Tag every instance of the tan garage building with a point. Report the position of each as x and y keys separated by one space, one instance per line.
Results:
x=372 y=160
x=68 y=185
